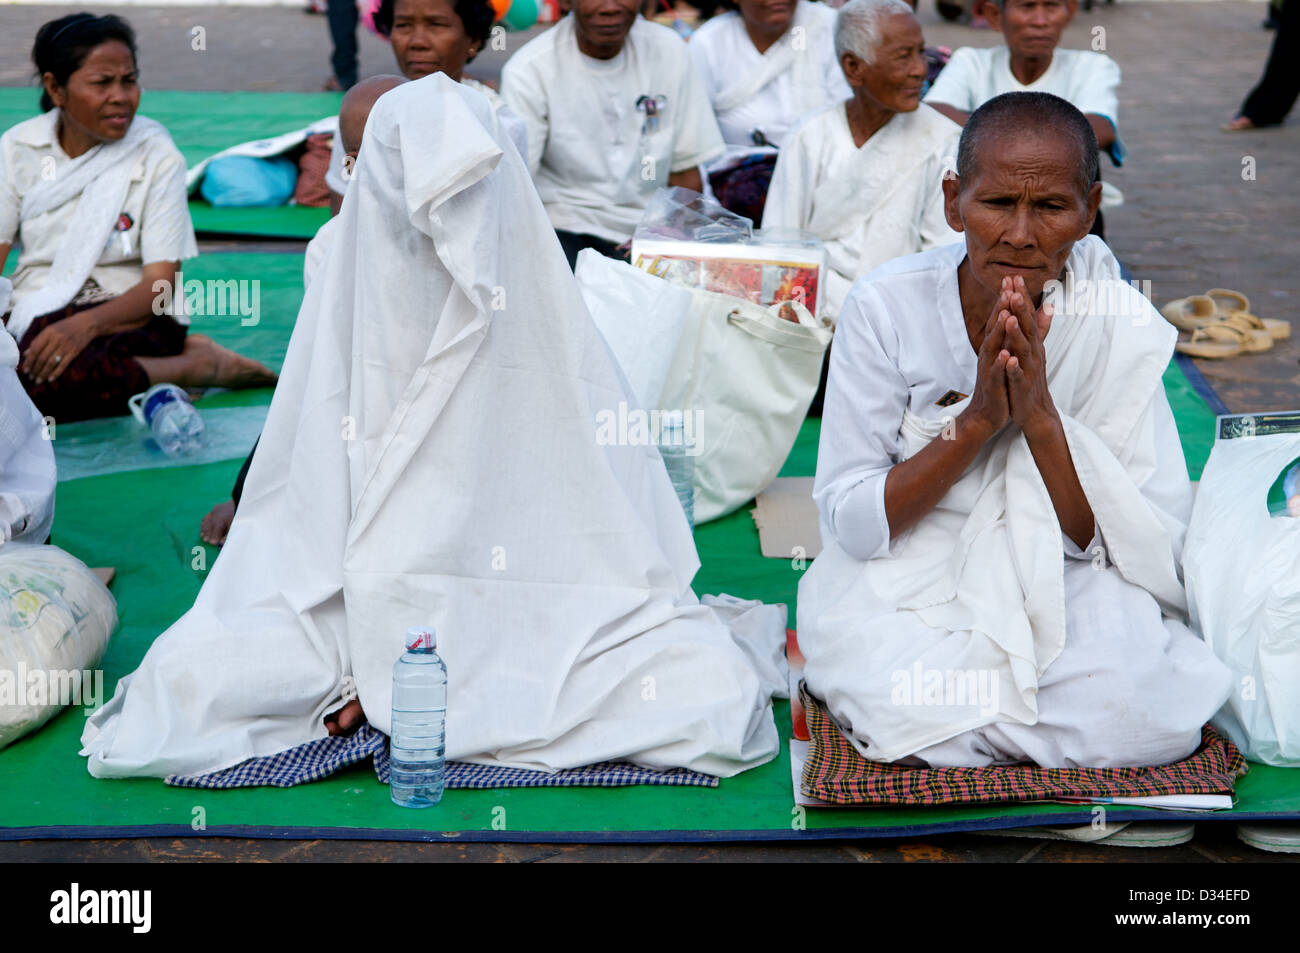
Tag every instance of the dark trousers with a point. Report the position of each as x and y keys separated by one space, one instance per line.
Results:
x=574 y=242
x=238 y=491
x=1270 y=101
x=343 y=20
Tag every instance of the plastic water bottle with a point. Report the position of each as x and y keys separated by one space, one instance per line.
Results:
x=417 y=761
x=680 y=463
x=166 y=410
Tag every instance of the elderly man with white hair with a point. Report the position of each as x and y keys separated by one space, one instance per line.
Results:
x=866 y=176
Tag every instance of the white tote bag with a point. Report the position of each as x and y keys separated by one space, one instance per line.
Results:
x=746 y=377
x=1241 y=565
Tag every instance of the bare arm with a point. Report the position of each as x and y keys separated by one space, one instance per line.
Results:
x=132 y=309
x=687 y=179
x=1103 y=129
x=952 y=112
x=4 y=254
x=914 y=487
x=1034 y=410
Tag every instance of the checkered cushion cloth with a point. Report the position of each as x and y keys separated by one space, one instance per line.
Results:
x=836 y=772
x=318 y=759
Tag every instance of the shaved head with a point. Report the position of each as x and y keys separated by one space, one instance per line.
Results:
x=358 y=102
x=1028 y=114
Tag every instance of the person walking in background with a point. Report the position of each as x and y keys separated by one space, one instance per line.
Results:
x=1271 y=100
x=343 y=19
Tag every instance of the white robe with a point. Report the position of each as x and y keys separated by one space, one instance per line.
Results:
x=430 y=457
x=1084 y=655
x=867 y=204
x=773 y=91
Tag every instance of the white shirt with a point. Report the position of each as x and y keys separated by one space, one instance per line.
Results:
x=336 y=178
x=155 y=224
x=1088 y=80
x=723 y=53
x=595 y=155
x=907 y=350
x=887 y=196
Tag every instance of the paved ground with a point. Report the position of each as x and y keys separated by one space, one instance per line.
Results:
x=1191 y=221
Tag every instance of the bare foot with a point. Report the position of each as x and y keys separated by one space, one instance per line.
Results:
x=346 y=720
x=1240 y=124
x=217 y=366
x=216 y=524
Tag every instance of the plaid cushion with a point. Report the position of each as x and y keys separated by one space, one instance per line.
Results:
x=836 y=772
x=319 y=759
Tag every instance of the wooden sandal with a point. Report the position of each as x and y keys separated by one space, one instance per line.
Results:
x=1191 y=313
x=1231 y=302
x=1215 y=341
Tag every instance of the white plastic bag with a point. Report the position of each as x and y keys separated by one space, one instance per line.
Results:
x=747 y=376
x=1241 y=566
x=640 y=316
x=55 y=621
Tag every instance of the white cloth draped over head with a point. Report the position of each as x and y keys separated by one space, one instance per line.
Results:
x=430 y=458
x=867 y=204
x=101 y=177
x=980 y=583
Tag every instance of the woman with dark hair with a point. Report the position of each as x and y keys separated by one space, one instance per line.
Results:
x=96 y=195
x=433 y=36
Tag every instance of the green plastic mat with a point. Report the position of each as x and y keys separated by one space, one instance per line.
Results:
x=145 y=524
x=204 y=123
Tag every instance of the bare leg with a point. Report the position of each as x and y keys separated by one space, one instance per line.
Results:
x=346 y=720
x=205 y=363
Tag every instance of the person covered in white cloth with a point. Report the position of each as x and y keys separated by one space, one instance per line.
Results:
x=866 y=175
x=615 y=110
x=95 y=195
x=767 y=65
x=1002 y=492
x=431 y=458
x=430 y=36
x=353 y=113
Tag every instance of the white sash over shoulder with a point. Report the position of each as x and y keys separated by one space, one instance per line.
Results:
x=101 y=178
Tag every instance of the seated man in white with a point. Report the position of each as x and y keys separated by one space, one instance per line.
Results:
x=1002 y=492
x=866 y=175
x=430 y=457
x=615 y=110
x=1031 y=62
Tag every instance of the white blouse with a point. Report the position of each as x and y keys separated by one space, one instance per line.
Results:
x=154 y=224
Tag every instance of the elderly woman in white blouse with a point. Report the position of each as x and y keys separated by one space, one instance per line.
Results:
x=96 y=196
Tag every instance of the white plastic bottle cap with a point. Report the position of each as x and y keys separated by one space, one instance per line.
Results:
x=421 y=639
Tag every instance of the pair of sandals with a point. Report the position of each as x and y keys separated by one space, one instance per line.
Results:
x=1222 y=325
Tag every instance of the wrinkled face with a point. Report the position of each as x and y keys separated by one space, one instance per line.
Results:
x=101 y=97
x=1032 y=28
x=603 y=25
x=894 y=81
x=768 y=17
x=428 y=38
x=1022 y=210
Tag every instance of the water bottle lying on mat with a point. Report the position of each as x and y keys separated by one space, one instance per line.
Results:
x=418 y=762
x=166 y=410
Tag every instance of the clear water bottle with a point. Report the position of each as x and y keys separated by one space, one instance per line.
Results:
x=418 y=752
x=166 y=410
x=680 y=463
